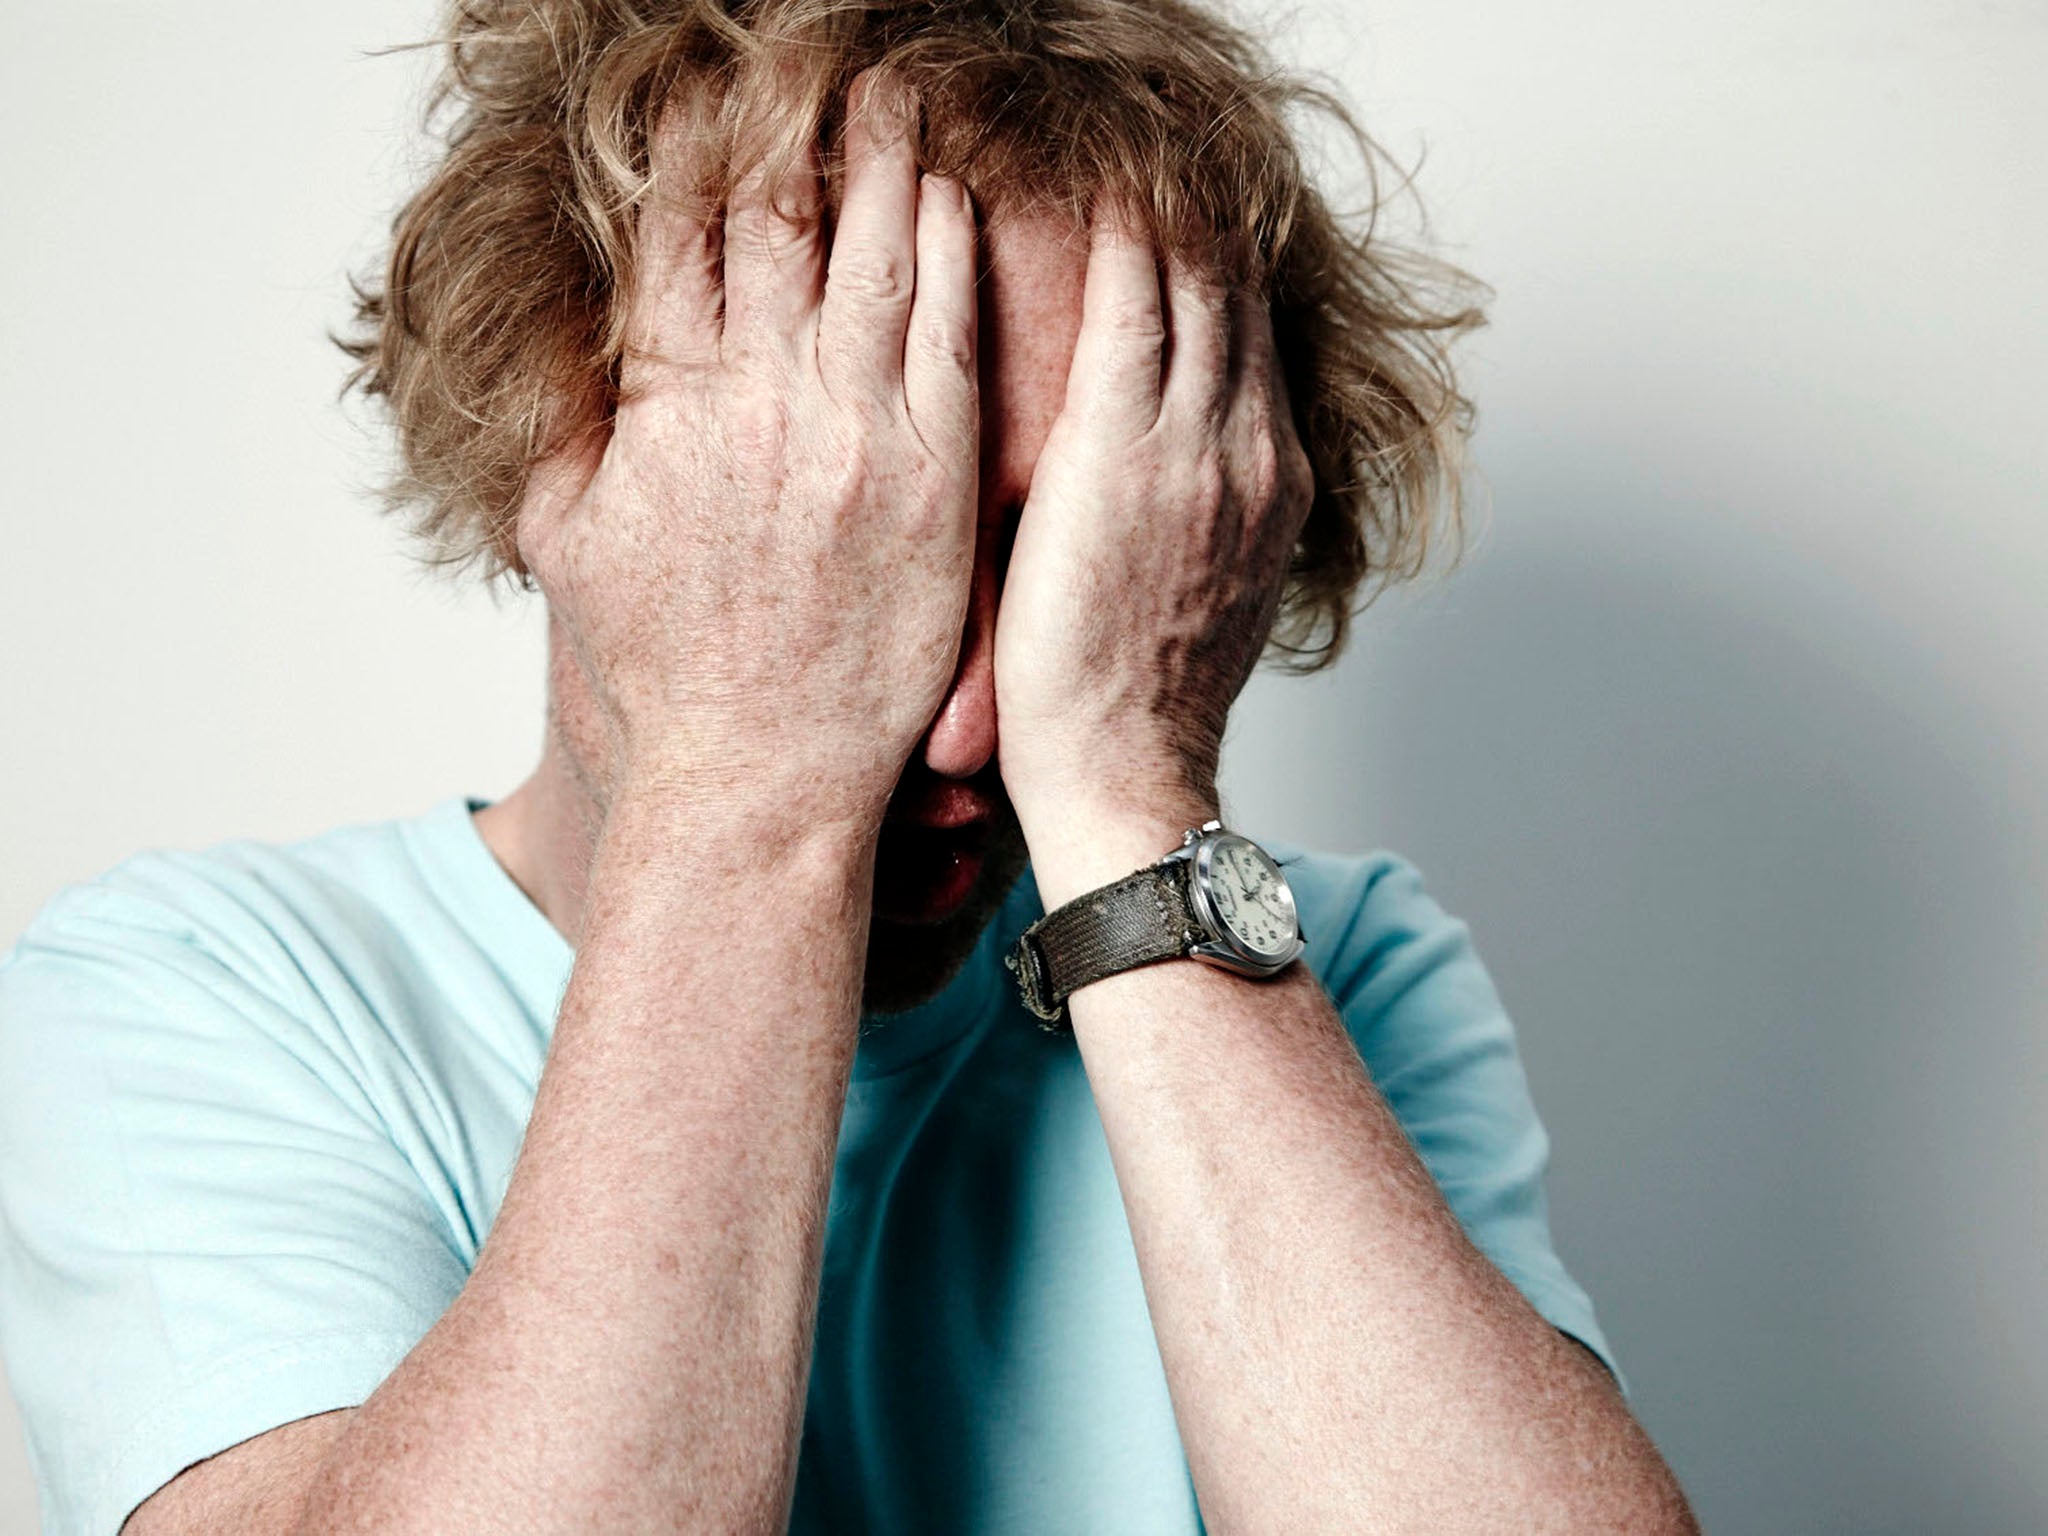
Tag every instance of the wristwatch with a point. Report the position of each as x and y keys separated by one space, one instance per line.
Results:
x=1219 y=898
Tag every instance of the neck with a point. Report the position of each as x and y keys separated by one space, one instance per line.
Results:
x=545 y=831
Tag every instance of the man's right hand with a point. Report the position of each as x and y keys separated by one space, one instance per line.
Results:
x=764 y=572
x=765 y=575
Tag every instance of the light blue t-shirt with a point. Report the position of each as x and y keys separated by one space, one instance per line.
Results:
x=258 y=1106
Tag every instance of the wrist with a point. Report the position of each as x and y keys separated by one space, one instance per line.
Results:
x=1080 y=844
x=664 y=797
x=691 y=831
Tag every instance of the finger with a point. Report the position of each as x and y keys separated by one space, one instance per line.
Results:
x=872 y=273
x=1256 y=387
x=1201 y=317
x=1115 y=375
x=940 y=387
x=1263 y=417
x=774 y=257
x=673 y=313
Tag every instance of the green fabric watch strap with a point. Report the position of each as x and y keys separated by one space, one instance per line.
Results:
x=1135 y=921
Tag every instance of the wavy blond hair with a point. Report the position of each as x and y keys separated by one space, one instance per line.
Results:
x=495 y=331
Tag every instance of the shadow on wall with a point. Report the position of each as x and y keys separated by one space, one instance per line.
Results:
x=1749 y=872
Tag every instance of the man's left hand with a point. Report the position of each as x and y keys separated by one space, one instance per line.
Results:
x=1154 y=546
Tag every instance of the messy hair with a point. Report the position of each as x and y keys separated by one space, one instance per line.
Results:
x=495 y=333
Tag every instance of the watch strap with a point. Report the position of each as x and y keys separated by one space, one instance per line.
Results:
x=1142 y=918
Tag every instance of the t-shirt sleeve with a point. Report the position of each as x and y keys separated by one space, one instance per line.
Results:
x=1439 y=1044
x=204 y=1232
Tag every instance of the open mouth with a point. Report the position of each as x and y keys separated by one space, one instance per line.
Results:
x=925 y=874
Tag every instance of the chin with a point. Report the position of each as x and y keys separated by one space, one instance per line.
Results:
x=909 y=964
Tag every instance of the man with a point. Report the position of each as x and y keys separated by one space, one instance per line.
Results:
x=915 y=432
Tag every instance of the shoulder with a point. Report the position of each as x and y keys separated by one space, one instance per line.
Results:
x=217 y=1215
x=245 y=909
x=174 y=962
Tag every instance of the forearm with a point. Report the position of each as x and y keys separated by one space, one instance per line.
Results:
x=632 y=1349
x=1340 y=1356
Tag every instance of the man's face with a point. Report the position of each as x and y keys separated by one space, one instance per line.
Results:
x=951 y=847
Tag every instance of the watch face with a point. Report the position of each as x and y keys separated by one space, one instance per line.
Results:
x=1250 y=897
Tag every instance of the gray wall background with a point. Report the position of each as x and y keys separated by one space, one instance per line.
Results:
x=1727 y=738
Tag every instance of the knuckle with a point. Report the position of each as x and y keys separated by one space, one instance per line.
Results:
x=946 y=454
x=757 y=421
x=766 y=239
x=945 y=341
x=947 y=469
x=935 y=513
x=845 y=477
x=869 y=275
x=750 y=232
x=1135 y=322
x=1131 y=362
x=1261 y=472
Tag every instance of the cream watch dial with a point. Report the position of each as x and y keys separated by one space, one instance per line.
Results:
x=1251 y=897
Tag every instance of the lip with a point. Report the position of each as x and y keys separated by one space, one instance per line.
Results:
x=943 y=807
